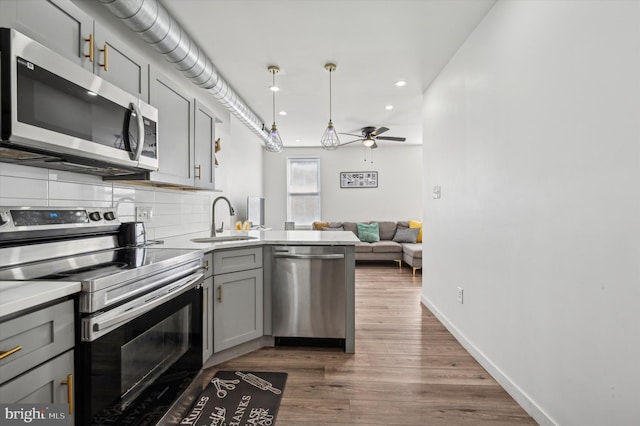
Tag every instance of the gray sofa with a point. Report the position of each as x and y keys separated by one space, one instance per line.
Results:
x=386 y=248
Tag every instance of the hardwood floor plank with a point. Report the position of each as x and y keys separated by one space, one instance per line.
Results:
x=407 y=369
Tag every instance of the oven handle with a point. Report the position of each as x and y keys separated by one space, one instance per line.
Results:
x=150 y=303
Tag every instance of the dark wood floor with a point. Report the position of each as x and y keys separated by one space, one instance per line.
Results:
x=407 y=369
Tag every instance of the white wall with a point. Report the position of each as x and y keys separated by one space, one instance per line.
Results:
x=533 y=131
x=397 y=197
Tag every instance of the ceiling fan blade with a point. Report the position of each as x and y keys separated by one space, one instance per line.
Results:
x=347 y=143
x=379 y=130
x=351 y=134
x=391 y=138
x=375 y=145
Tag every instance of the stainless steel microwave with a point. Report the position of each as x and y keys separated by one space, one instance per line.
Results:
x=55 y=114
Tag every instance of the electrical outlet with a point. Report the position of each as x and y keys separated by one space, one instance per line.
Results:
x=144 y=214
x=459 y=295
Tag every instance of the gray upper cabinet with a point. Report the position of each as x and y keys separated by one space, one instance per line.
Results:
x=175 y=131
x=119 y=64
x=58 y=24
x=65 y=28
x=205 y=126
x=186 y=135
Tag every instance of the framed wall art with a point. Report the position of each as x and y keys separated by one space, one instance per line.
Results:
x=358 y=179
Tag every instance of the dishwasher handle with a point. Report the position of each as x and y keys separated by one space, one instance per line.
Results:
x=309 y=256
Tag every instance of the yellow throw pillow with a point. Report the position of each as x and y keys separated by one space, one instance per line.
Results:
x=416 y=224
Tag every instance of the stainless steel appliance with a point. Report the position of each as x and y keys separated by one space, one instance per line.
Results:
x=58 y=115
x=139 y=319
x=308 y=292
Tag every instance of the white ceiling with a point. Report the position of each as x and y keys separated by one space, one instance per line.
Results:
x=374 y=43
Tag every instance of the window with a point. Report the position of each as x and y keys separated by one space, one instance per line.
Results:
x=303 y=190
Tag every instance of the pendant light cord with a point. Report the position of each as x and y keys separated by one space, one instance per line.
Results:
x=273 y=84
x=330 y=71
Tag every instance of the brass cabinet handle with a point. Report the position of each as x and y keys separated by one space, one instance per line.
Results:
x=69 y=383
x=12 y=351
x=199 y=169
x=105 y=53
x=206 y=265
x=90 y=40
x=220 y=293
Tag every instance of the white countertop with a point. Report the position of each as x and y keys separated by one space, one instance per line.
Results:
x=19 y=295
x=16 y=296
x=327 y=238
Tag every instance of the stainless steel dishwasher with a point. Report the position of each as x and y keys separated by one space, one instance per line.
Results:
x=308 y=292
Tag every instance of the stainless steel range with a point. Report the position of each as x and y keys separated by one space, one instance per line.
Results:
x=139 y=321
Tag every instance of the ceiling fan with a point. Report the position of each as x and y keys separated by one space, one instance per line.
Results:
x=369 y=135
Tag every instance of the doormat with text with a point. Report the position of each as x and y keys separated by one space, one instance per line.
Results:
x=238 y=398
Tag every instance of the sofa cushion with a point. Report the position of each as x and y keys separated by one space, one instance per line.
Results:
x=386 y=247
x=351 y=226
x=337 y=228
x=317 y=226
x=406 y=235
x=403 y=224
x=368 y=232
x=363 y=248
x=387 y=230
x=413 y=250
x=416 y=224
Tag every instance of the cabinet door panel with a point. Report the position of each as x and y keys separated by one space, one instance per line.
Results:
x=42 y=334
x=207 y=319
x=42 y=385
x=126 y=68
x=175 y=131
x=58 y=24
x=238 y=308
x=204 y=147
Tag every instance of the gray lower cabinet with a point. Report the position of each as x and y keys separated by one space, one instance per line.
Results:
x=238 y=298
x=36 y=356
x=207 y=309
x=65 y=28
x=46 y=384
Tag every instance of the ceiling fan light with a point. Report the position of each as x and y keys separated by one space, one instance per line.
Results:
x=330 y=138
x=368 y=141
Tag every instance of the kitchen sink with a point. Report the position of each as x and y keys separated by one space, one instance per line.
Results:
x=223 y=238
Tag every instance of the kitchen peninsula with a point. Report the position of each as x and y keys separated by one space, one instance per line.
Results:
x=249 y=262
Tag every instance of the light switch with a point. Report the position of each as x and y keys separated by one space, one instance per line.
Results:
x=437 y=192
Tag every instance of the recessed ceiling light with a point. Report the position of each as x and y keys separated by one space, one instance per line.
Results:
x=283 y=112
x=297 y=140
x=401 y=83
x=388 y=107
x=274 y=88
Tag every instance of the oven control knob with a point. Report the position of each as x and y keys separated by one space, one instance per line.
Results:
x=109 y=215
x=95 y=216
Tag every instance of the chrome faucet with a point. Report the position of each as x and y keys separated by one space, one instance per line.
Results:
x=232 y=212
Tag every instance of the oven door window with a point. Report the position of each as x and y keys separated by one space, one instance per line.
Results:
x=136 y=371
x=150 y=354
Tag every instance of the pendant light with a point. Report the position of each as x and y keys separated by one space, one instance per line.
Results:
x=274 y=143
x=330 y=138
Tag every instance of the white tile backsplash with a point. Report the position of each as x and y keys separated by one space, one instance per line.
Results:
x=7 y=169
x=80 y=191
x=17 y=187
x=175 y=212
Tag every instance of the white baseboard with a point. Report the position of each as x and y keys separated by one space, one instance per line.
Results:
x=511 y=388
